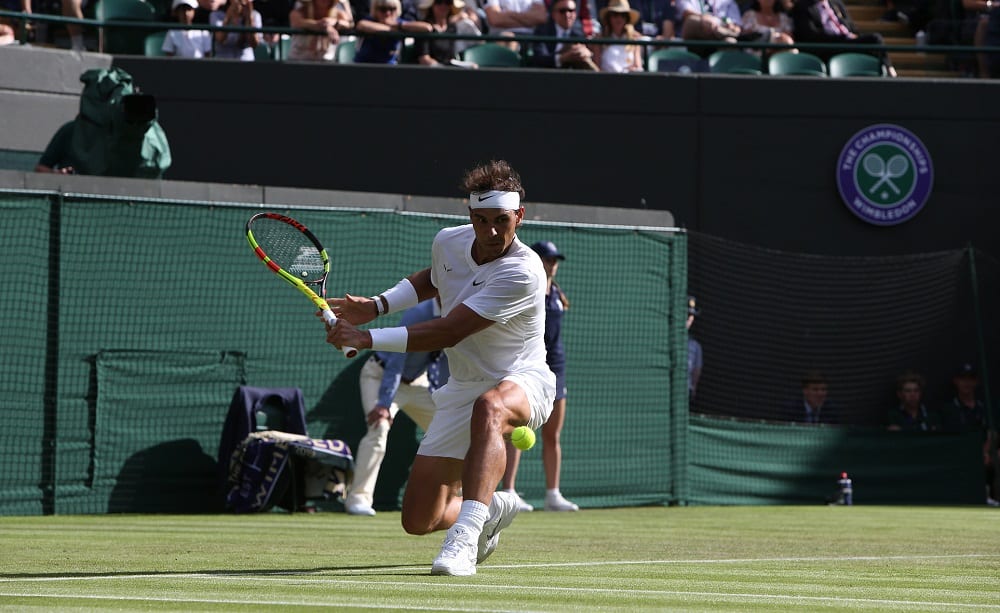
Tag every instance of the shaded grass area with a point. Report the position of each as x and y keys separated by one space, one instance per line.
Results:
x=681 y=558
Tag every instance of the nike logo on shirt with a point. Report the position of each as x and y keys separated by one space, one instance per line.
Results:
x=475 y=283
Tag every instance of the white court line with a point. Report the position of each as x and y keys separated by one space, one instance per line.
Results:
x=251 y=603
x=298 y=578
x=282 y=576
x=365 y=604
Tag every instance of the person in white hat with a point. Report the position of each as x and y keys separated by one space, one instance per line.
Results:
x=618 y=20
x=187 y=43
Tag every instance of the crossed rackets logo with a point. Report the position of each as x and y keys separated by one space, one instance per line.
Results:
x=884 y=174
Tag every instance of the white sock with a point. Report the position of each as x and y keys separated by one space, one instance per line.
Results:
x=552 y=493
x=473 y=515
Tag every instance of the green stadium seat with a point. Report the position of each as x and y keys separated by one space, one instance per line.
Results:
x=263 y=53
x=281 y=50
x=675 y=60
x=856 y=65
x=346 y=48
x=731 y=61
x=492 y=54
x=128 y=41
x=786 y=63
x=154 y=44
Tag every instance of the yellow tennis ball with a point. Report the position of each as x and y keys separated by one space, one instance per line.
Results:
x=523 y=438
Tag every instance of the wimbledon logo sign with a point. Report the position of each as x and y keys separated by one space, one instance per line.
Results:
x=885 y=174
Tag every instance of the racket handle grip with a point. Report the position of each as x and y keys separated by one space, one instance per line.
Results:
x=331 y=319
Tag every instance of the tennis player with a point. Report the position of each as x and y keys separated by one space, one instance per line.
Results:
x=492 y=325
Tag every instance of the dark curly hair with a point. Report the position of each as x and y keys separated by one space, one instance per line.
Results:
x=495 y=174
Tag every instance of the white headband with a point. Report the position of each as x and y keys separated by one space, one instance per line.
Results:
x=495 y=199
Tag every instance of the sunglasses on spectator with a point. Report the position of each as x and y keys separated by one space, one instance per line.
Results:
x=566 y=10
x=387 y=9
x=447 y=2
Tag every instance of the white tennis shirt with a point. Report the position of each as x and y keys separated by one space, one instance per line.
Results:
x=509 y=291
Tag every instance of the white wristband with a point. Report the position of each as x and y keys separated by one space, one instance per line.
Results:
x=389 y=339
x=400 y=297
x=378 y=305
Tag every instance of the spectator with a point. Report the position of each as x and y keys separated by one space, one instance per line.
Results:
x=618 y=20
x=827 y=21
x=658 y=19
x=203 y=13
x=695 y=355
x=187 y=43
x=911 y=414
x=562 y=24
x=384 y=18
x=992 y=39
x=236 y=45
x=329 y=16
x=813 y=406
x=390 y=382
x=7 y=36
x=556 y=305
x=8 y=29
x=770 y=19
x=967 y=413
x=514 y=17
x=74 y=8
x=445 y=16
x=710 y=20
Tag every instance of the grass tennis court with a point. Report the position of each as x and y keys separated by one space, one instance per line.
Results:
x=681 y=558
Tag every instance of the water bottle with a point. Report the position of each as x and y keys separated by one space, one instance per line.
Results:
x=921 y=38
x=846 y=490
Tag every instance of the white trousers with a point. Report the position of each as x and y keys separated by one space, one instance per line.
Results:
x=414 y=399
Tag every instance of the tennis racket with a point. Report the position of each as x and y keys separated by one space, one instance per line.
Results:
x=294 y=253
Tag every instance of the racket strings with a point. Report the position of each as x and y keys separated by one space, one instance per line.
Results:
x=288 y=248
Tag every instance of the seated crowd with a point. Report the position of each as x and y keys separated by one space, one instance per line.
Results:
x=778 y=22
x=771 y=25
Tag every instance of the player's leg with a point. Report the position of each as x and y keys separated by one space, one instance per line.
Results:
x=471 y=423
x=432 y=498
x=494 y=414
x=371 y=448
x=483 y=512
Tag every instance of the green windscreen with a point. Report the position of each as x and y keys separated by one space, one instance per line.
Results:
x=131 y=322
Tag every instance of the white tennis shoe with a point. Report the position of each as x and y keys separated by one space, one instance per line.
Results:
x=556 y=502
x=359 y=508
x=503 y=508
x=458 y=554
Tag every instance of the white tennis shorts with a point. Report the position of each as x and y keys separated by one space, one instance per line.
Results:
x=448 y=435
